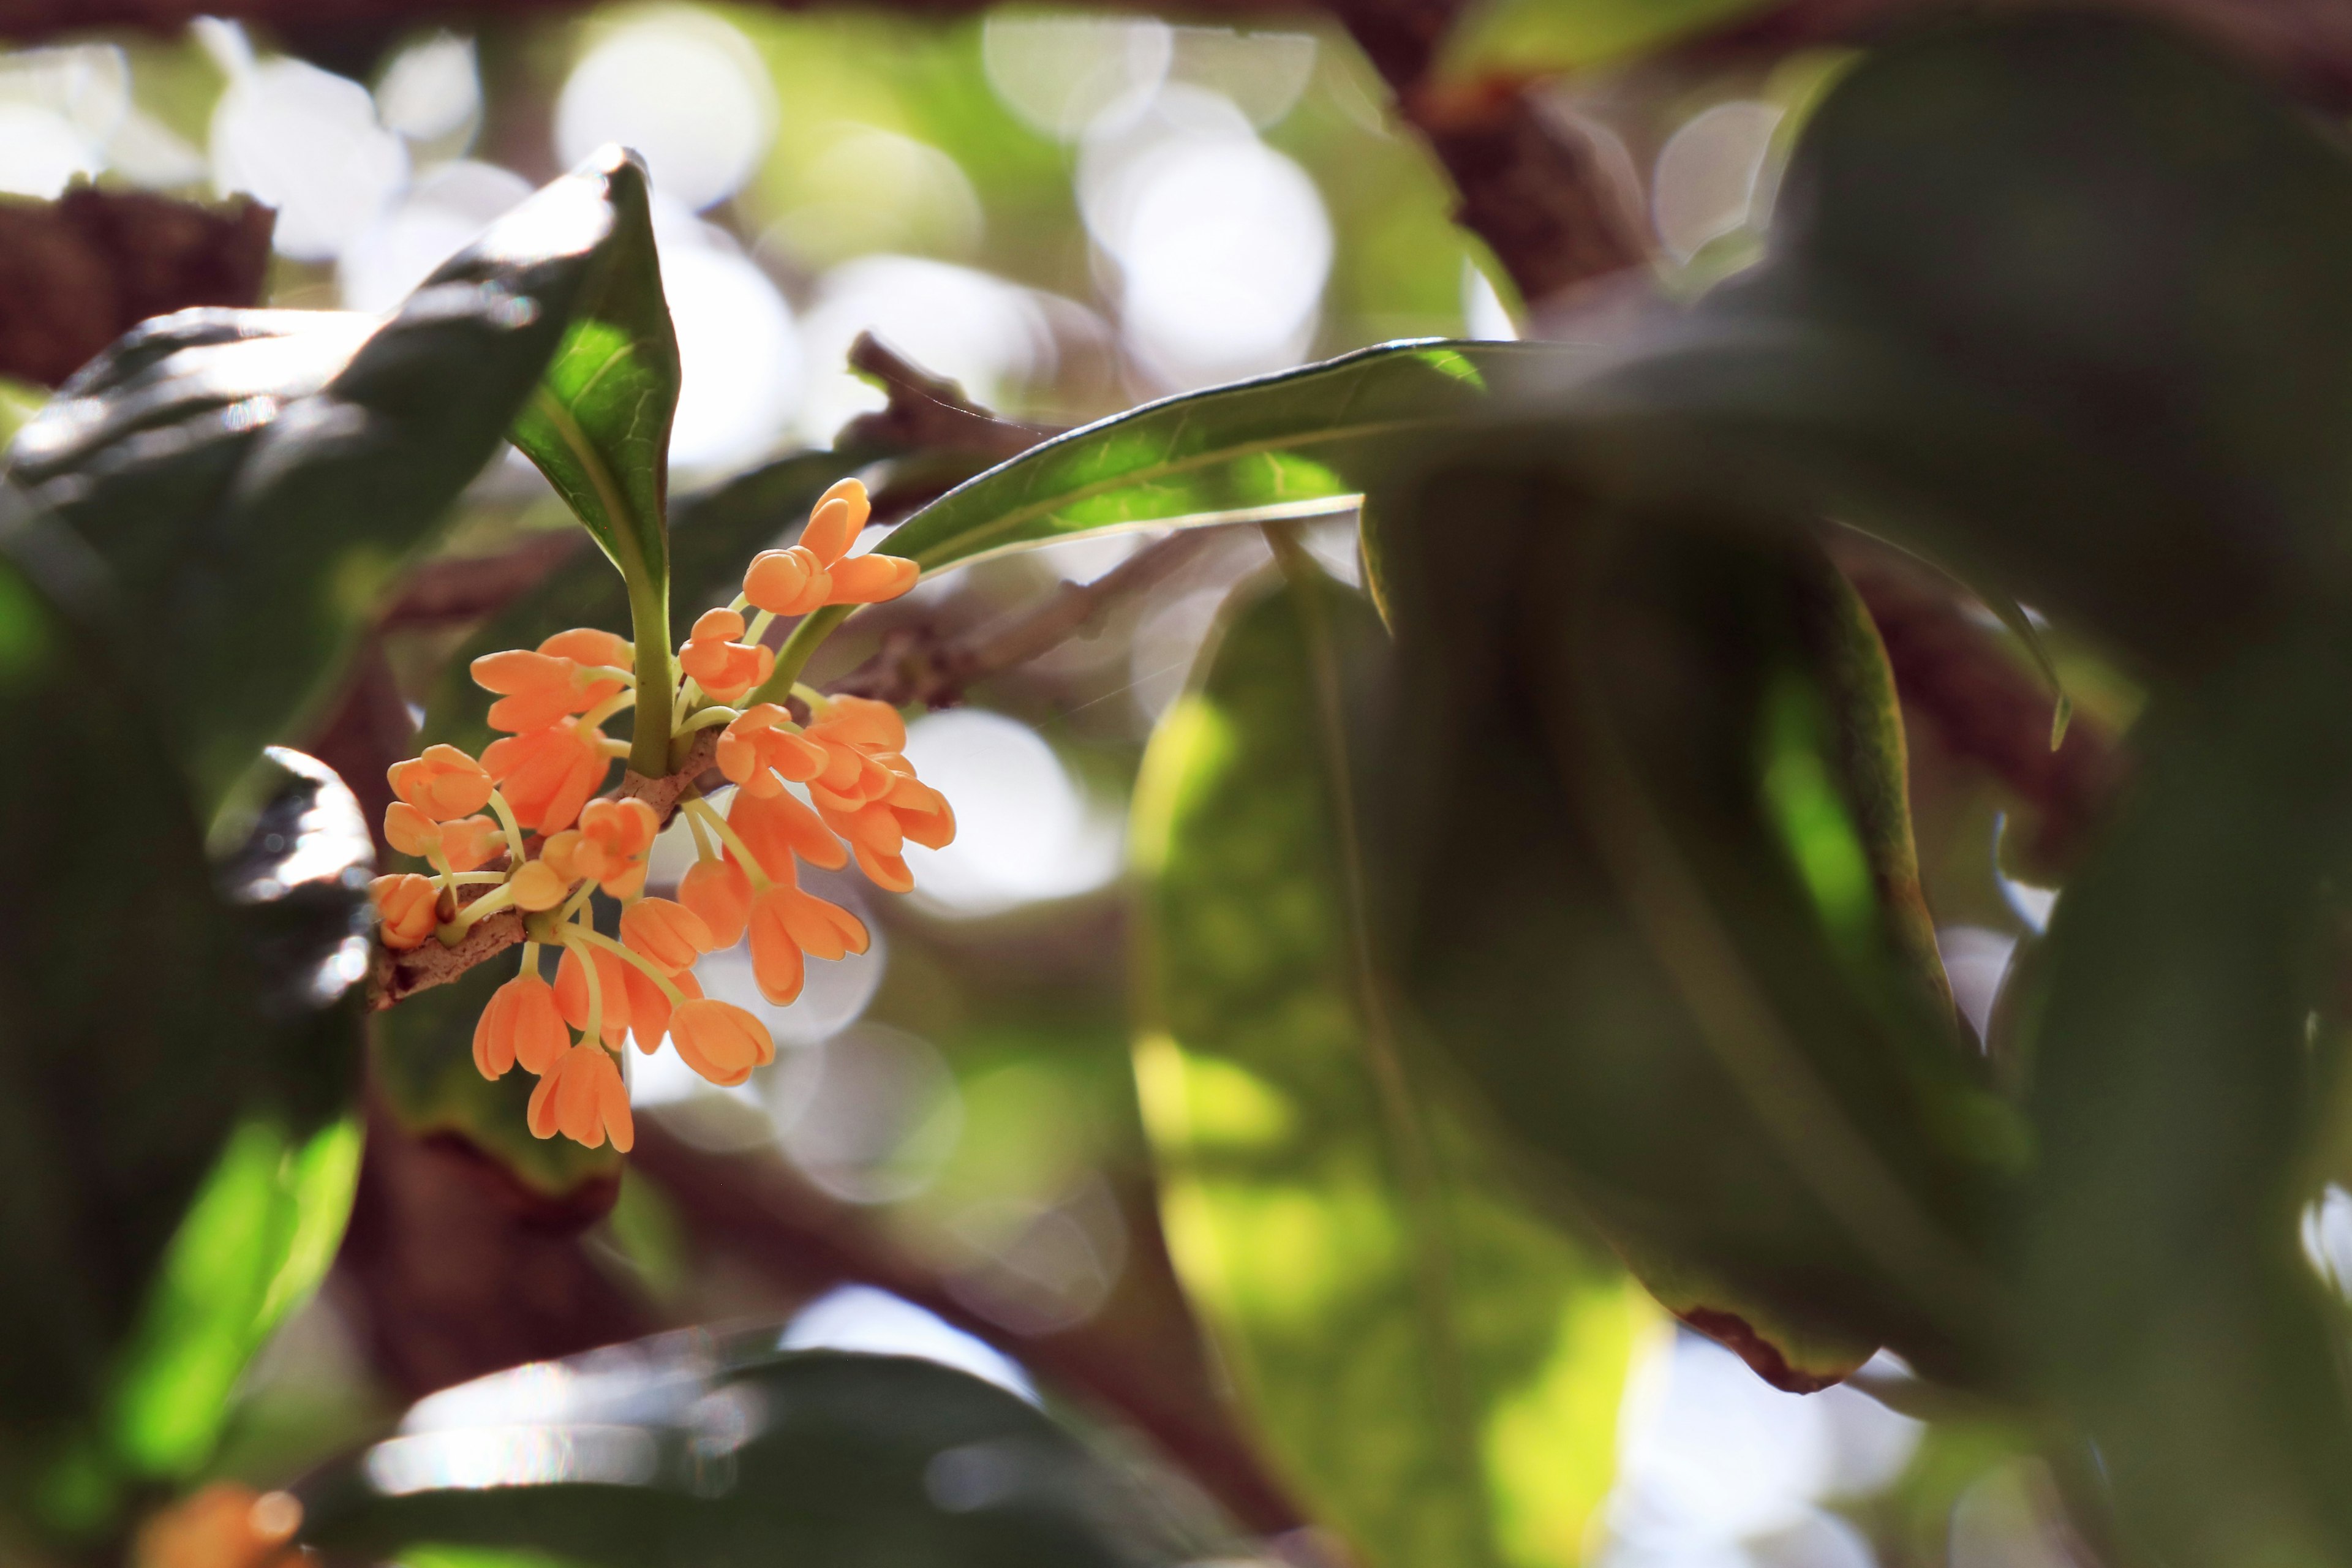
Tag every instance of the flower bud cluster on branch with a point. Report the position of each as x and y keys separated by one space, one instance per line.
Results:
x=522 y=837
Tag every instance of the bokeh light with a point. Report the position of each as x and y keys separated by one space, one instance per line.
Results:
x=685 y=91
x=1221 y=245
x=307 y=142
x=1024 y=830
x=433 y=220
x=988 y=335
x=431 y=90
x=869 y=1115
x=740 y=358
x=1704 y=183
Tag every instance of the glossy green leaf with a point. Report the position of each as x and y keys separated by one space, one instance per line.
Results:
x=1297 y=443
x=700 y=1448
x=598 y=423
x=1304 y=443
x=251 y=480
x=2173 y=1095
x=175 y=1155
x=1436 y=1368
x=2041 y=295
x=1648 y=874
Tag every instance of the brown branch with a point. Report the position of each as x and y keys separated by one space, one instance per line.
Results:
x=458 y=588
x=78 y=272
x=769 y=1218
x=401 y=974
x=914 y=665
x=927 y=413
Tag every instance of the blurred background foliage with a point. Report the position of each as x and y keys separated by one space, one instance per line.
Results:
x=1066 y=213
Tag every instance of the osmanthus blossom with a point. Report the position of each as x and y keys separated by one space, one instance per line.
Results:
x=549 y=843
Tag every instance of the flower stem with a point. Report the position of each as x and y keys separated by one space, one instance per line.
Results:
x=593 y=1030
x=695 y=806
x=794 y=657
x=653 y=971
x=513 y=828
x=656 y=679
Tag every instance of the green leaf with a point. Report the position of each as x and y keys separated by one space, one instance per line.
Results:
x=1645 y=857
x=1298 y=444
x=2043 y=295
x=1437 y=1368
x=251 y=480
x=2177 y=1102
x=598 y=423
x=718 y=1448
x=175 y=1152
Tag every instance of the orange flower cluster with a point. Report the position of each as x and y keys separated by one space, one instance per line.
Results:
x=551 y=843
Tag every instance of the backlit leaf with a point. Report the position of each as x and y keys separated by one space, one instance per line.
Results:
x=1437 y=1368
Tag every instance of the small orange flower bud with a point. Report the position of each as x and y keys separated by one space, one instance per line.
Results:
x=582 y=1098
x=586 y=645
x=888 y=872
x=670 y=934
x=520 y=1024
x=722 y=666
x=538 y=886
x=540 y=688
x=776 y=959
x=820 y=928
x=547 y=774
x=871 y=579
x=571 y=994
x=757 y=745
x=609 y=847
x=720 y=1041
x=409 y=830
x=721 y=893
x=405 y=904
x=787 y=581
x=471 y=842
x=442 y=784
x=718 y=625
x=649 y=1008
x=837 y=519
x=777 y=827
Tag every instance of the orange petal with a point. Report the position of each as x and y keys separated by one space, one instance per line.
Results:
x=720 y=892
x=888 y=872
x=871 y=579
x=409 y=830
x=832 y=528
x=669 y=933
x=586 y=645
x=776 y=961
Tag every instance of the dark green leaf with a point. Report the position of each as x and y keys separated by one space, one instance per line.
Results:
x=1437 y=1368
x=598 y=423
x=251 y=480
x=1648 y=862
x=175 y=1147
x=2173 y=1100
x=2043 y=296
x=724 y=1453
